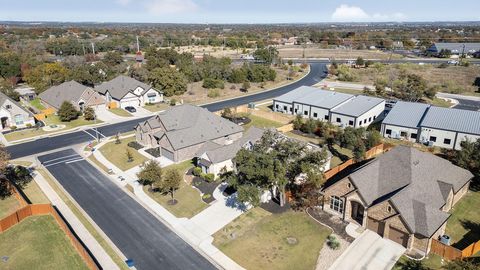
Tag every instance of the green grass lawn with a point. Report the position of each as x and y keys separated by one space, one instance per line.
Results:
x=315 y=141
x=8 y=205
x=189 y=201
x=37 y=104
x=156 y=107
x=463 y=226
x=261 y=122
x=38 y=243
x=258 y=240
x=34 y=193
x=120 y=112
x=432 y=262
x=439 y=102
x=116 y=153
x=51 y=120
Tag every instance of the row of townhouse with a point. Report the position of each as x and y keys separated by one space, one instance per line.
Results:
x=431 y=125
x=338 y=108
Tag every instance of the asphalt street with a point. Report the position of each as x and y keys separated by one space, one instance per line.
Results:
x=135 y=231
x=317 y=73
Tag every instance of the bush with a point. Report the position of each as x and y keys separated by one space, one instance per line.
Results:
x=173 y=102
x=29 y=125
x=135 y=145
x=67 y=112
x=206 y=196
x=197 y=171
x=334 y=244
x=209 y=177
x=89 y=114
x=13 y=127
x=213 y=93
x=210 y=83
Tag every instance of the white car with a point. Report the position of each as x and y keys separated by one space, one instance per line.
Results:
x=452 y=62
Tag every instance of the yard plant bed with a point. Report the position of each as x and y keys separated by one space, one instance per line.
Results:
x=205 y=187
x=38 y=243
x=240 y=120
x=260 y=240
x=155 y=152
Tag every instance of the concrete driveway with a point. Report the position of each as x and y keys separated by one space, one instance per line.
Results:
x=369 y=252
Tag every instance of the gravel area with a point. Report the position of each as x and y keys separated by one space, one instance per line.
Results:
x=328 y=256
x=334 y=222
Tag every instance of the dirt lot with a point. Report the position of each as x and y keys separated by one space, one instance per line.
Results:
x=452 y=79
x=315 y=52
x=210 y=50
x=196 y=94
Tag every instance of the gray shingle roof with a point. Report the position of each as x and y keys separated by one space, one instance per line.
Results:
x=315 y=97
x=415 y=182
x=357 y=105
x=68 y=91
x=187 y=125
x=457 y=47
x=406 y=114
x=452 y=119
x=120 y=86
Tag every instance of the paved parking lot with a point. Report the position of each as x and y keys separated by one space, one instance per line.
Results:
x=134 y=230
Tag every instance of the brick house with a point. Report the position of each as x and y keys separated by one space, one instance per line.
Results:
x=403 y=195
x=181 y=131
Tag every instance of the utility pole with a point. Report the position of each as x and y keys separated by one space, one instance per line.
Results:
x=93 y=48
x=138 y=45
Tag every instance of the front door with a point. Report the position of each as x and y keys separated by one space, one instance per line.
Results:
x=4 y=121
x=357 y=212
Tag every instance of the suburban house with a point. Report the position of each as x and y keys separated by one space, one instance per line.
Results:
x=13 y=114
x=26 y=93
x=79 y=95
x=338 y=108
x=215 y=159
x=125 y=91
x=454 y=48
x=431 y=125
x=181 y=131
x=403 y=195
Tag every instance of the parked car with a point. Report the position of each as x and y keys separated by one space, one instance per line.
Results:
x=130 y=109
x=453 y=62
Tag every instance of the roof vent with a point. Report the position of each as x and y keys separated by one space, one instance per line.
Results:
x=416 y=162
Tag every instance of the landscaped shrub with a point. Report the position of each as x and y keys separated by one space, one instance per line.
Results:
x=29 y=125
x=135 y=145
x=213 y=83
x=197 y=171
x=332 y=242
x=209 y=177
x=206 y=196
x=213 y=93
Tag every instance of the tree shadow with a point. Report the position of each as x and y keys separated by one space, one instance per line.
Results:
x=472 y=235
x=337 y=154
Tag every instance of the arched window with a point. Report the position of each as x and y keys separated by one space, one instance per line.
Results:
x=336 y=204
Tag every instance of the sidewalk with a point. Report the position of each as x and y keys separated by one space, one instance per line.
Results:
x=98 y=252
x=196 y=231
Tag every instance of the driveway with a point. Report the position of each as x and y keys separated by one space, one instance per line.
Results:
x=369 y=252
x=135 y=231
x=142 y=112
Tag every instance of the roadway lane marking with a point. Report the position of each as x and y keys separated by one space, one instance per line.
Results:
x=59 y=158
x=90 y=134
x=71 y=160
x=98 y=132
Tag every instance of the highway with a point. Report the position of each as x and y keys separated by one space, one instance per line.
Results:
x=317 y=73
x=136 y=232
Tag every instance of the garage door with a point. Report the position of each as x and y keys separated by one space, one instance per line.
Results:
x=398 y=236
x=130 y=102
x=168 y=154
x=375 y=225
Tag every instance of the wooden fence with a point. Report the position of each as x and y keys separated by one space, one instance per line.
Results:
x=47 y=209
x=44 y=113
x=471 y=250
x=374 y=151
x=451 y=253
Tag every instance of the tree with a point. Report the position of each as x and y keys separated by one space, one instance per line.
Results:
x=169 y=80
x=462 y=264
x=117 y=139
x=298 y=122
x=380 y=86
x=359 y=151
x=445 y=53
x=89 y=114
x=150 y=173
x=248 y=194
x=171 y=182
x=9 y=65
x=410 y=87
x=113 y=58
x=411 y=265
x=67 y=112
x=4 y=159
x=468 y=157
x=360 y=61
x=374 y=138
x=266 y=55
x=129 y=155
x=246 y=86
x=46 y=75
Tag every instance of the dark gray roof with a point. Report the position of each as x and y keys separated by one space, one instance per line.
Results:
x=415 y=182
x=120 y=86
x=406 y=114
x=457 y=47
x=315 y=97
x=452 y=119
x=357 y=105
x=187 y=125
x=70 y=91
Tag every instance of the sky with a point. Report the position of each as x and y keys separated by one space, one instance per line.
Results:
x=239 y=11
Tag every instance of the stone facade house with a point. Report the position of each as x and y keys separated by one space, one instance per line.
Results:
x=124 y=91
x=181 y=131
x=79 y=95
x=403 y=195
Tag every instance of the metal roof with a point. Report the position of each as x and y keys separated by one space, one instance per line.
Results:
x=456 y=47
x=314 y=97
x=358 y=105
x=452 y=119
x=406 y=114
x=295 y=94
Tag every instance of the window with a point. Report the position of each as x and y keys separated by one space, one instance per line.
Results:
x=433 y=138
x=336 y=204
x=389 y=209
x=349 y=185
x=374 y=117
x=369 y=119
x=290 y=109
x=447 y=141
x=326 y=117
x=315 y=114
x=18 y=119
x=388 y=132
x=339 y=120
x=305 y=112
x=285 y=108
x=403 y=133
x=276 y=106
x=365 y=121
x=350 y=123
x=296 y=110
x=413 y=135
x=152 y=99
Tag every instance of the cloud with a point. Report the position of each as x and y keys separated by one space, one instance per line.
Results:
x=346 y=13
x=160 y=7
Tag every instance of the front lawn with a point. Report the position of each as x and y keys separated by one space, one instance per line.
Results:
x=463 y=226
x=261 y=122
x=8 y=205
x=37 y=104
x=189 y=201
x=50 y=120
x=38 y=243
x=156 y=107
x=260 y=240
x=117 y=154
x=34 y=193
x=120 y=112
